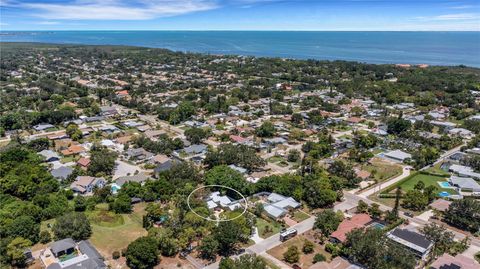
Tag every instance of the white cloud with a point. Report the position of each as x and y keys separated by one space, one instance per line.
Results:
x=462 y=7
x=48 y=22
x=114 y=10
x=450 y=17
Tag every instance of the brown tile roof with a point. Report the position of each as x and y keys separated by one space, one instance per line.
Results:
x=124 y=139
x=440 y=204
x=347 y=225
x=83 y=162
x=73 y=149
x=446 y=261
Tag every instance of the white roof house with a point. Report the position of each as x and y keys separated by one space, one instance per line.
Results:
x=463 y=171
x=465 y=183
x=279 y=205
x=397 y=155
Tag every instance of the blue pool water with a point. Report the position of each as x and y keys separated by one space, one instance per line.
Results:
x=443 y=194
x=444 y=184
x=377 y=225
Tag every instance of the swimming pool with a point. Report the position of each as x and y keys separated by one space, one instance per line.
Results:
x=443 y=194
x=445 y=184
x=377 y=225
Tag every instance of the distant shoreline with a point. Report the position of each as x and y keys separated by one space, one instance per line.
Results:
x=442 y=48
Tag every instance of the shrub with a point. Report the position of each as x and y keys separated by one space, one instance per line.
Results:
x=45 y=237
x=292 y=254
x=319 y=257
x=116 y=255
x=332 y=249
x=308 y=247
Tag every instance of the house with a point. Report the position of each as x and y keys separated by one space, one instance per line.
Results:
x=73 y=150
x=49 y=155
x=42 y=127
x=462 y=132
x=165 y=166
x=239 y=169
x=62 y=172
x=66 y=254
x=86 y=184
x=108 y=111
x=275 y=141
x=447 y=261
x=83 y=163
x=138 y=154
x=413 y=241
x=467 y=184
x=195 y=149
x=440 y=205
x=154 y=134
x=397 y=155
x=217 y=201
x=463 y=171
x=139 y=178
x=278 y=205
x=347 y=225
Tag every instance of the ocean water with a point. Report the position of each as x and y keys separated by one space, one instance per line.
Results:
x=434 y=48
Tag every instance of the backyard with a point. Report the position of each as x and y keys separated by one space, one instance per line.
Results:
x=111 y=232
x=267 y=228
x=427 y=179
x=382 y=170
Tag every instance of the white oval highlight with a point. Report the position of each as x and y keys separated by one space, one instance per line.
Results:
x=217 y=186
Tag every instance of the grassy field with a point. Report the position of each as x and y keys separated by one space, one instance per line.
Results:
x=298 y=241
x=115 y=232
x=382 y=170
x=299 y=216
x=262 y=224
x=429 y=180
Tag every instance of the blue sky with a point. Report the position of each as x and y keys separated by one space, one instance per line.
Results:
x=350 y=15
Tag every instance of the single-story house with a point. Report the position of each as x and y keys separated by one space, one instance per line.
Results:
x=86 y=184
x=447 y=261
x=397 y=155
x=73 y=150
x=50 y=155
x=215 y=200
x=62 y=172
x=463 y=171
x=413 y=241
x=278 y=205
x=41 y=127
x=139 y=178
x=440 y=205
x=347 y=225
x=461 y=132
x=138 y=154
x=465 y=183
x=83 y=255
x=83 y=163
x=165 y=165
x=195 y=149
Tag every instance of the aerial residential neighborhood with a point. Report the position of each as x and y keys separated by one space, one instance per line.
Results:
x=122 y=157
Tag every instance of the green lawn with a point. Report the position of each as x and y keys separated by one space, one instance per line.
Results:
x=382 y=170
x=275 y=159
x=117 y=234
x=275 y=227
x=428 y=180
x=300 y=216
